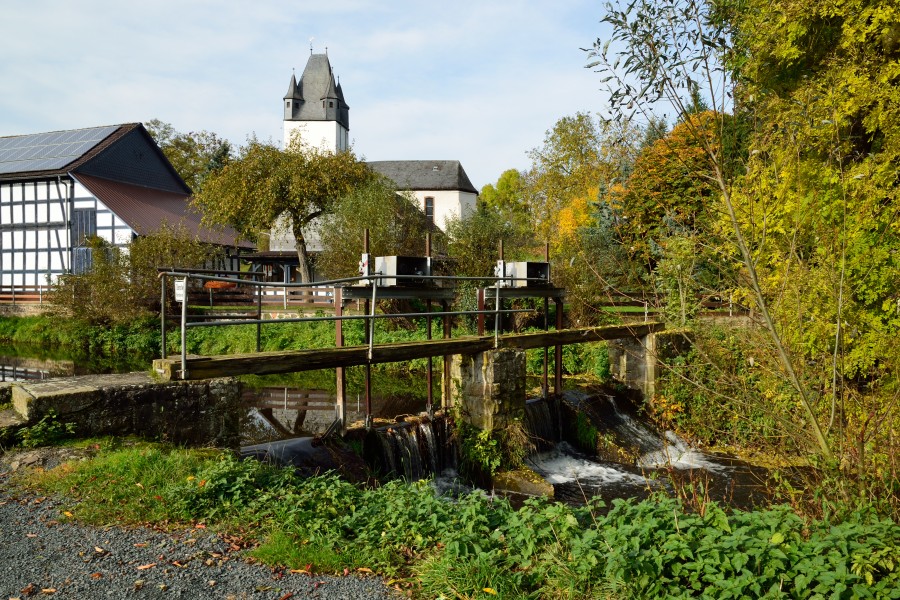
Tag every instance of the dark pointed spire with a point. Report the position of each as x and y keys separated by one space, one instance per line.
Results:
x=294 y=92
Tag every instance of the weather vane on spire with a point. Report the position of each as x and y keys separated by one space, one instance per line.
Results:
x=311 y=45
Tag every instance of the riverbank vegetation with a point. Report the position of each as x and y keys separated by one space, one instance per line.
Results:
x=477 y=547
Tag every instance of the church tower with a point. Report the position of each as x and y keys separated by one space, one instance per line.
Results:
x=315 y=111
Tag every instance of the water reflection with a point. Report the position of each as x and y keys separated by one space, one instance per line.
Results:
x=308 y=408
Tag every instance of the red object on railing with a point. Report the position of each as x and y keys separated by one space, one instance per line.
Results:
x=219 y=285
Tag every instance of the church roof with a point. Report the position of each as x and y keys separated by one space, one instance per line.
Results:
x=425 y=175
x=293 y=92
x=316 y=85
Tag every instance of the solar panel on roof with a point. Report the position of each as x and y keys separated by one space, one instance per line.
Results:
x=48 y=151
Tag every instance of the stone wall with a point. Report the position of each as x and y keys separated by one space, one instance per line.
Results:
x=23 y=310
x=196 y=413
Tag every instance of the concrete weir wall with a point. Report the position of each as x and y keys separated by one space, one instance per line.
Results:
x=489 y=387
x=195 y=413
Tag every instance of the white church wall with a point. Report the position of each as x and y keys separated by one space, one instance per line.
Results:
x=448 y=204
x=327 y=136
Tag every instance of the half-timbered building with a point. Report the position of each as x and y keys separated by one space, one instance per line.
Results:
x=57 y=189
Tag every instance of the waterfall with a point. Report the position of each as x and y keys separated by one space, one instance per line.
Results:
x=542 y=423
x=412 y=450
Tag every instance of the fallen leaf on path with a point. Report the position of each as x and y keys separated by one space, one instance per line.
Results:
x=48 y=591
x=99 y=550
x=28 y=589
x=286 y=596
x=147 y=566
x=96 y=575
x=68 y=514
x=364 y=570
x=31 y=535
x=300 y=571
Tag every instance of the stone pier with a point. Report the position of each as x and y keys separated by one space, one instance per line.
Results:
x=635 y=361
x=489 y=387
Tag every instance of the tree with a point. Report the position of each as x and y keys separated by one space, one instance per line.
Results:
x=474 y=241
x=194 y=155
x=820 y=201
x=264 y=182
x=508 y=195
x=567 y=166
x=396 y=227
x=669 y=49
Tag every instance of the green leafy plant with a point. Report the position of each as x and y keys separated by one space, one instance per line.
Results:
x=46 y=432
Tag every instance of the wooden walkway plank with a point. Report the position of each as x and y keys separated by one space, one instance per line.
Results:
x=265 y=363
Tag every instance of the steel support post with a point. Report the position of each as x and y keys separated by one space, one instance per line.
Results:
x=162 y=316
x=341 y=381
x=480 y=294
x=557 y=384
x=446 y=398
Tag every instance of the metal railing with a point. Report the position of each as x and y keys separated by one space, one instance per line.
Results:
x=363 y=282
x=22 y=294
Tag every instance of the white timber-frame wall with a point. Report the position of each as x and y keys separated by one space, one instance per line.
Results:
x=36 y=242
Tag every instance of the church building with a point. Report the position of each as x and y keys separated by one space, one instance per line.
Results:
x=317 y=115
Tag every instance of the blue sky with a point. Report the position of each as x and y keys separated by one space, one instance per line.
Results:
x=477 y=81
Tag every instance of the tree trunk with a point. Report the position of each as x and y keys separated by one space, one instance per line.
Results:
x=302 y=254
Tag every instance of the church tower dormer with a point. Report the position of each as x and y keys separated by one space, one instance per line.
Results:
x=315 y=112
x=292 y=100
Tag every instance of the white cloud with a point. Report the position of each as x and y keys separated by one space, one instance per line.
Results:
x=476 y=81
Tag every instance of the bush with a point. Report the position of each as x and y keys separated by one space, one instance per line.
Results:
x=121 y=285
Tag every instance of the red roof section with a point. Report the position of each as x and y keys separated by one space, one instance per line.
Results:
x=145 y=210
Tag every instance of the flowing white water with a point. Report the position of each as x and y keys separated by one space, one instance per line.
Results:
x=564 y=464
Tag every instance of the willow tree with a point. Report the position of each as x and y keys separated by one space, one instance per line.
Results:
x=396 y=225
x=265 y=186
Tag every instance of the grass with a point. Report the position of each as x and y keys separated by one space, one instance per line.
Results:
x=476 y=547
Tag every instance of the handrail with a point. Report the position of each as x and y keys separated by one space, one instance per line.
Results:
x=371 y=279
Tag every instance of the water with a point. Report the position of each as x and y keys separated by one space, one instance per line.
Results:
x=304 y=405
x=658 y=461
x=281 y=423
x=413 y=450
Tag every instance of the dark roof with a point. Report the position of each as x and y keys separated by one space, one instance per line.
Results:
x=71 y=148
x=317 y=84
x=48 y=151
x=124 y=153
x=424 y=175
x=145 y=210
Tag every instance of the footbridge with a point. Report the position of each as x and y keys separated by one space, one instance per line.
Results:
x=477 y=365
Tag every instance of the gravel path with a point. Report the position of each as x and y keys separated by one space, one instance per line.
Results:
x=43 y=557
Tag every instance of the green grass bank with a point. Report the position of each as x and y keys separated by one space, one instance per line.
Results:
x=476 y=547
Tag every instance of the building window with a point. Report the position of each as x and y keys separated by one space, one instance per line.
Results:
x=330 y=104
x=429 y=210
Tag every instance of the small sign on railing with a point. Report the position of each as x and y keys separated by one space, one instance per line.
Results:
x=180 y=287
